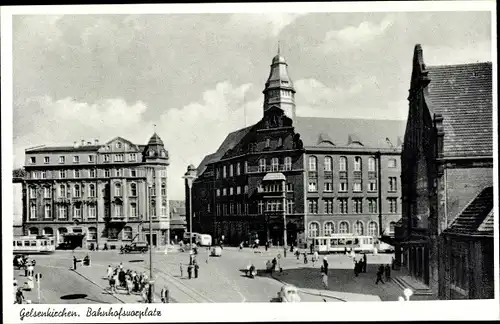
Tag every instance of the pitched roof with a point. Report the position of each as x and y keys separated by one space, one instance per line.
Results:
x=372 y=133
x=229 y=142
x=84 y=148
x=487 y=225
x=470 y=221
x=463 y=95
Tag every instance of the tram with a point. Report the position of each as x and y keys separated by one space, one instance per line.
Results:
x=33 y=244
x=341 y=242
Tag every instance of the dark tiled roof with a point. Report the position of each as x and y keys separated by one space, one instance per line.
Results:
x=177 y=222
x=372 y=133
x=487 y=225
x=155 y=140
x=230 y=142
x=474 y=215
x=463 y=95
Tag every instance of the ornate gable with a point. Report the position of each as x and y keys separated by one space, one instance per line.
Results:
x=119 y=145
x=274 y=117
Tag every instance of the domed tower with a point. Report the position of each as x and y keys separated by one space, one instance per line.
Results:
x=279 y=89
x=156 y=161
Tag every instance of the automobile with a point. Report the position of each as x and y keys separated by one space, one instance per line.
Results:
x=141 y=247
x=384 y=247
x=288 y=294
x=216 y=251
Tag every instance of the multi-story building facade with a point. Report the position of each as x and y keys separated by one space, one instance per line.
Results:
x=290 y=178
x=103 y=193
x=445 y=238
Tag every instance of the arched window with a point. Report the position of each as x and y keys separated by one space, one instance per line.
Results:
x=392 y=227
x=238 y=168
x=328 y=229
x=343 y=227
x=33 y=231
x=127 y=233
x=91 y=190
x=164 y=189
x=373 y=229
x=313 y=163
x=62 y=191
x=92 y=234
x=118 y=190
x=328 y=163
x=359 y=228
x=133 y=190
x=77 y=190
x=164 y=209
x=343 y=163
x=48 y=231
x=61 y=231
x=275 y=164
x=288 y=163
x=280 y=142
x=313 y=229
x=371 y=164
x=357 y=163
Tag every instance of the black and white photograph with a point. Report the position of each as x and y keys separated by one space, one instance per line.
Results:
x=249 y=154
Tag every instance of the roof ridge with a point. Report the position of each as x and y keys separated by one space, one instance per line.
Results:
x=459 y=64
x=339 y=118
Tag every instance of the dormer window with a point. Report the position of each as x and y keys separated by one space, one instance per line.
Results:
x=32 y=160
x=151 y=153
x=118 y=145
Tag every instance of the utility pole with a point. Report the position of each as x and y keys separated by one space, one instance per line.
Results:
x=379 y=184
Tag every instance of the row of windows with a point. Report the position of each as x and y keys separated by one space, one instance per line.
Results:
x=62 y=211
x=328 y=163
x=235 y=169
x=231 y=191
x=132 y=157
x=64 y=191
x=328 y=205
x=113 y=233
x=343 y=227
x=92 y=173
x=357 y=185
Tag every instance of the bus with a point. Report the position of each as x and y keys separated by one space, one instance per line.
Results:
x=187 y=235
x=340 y=242
x=33 y=244
x=204 y=239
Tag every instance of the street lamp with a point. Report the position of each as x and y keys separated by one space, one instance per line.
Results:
x=151 y=281
x=189 y=176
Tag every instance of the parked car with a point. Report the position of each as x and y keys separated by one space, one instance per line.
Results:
x=141 y=247
x=384 y=247
x=216 y=251
x=288 y=294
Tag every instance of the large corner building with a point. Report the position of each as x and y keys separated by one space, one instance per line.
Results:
x=99 y=193
x=289 y=178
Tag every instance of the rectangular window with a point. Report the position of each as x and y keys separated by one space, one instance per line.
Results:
x=238 y=190
x=62 y=174
x=224 y=191
x=107 y=173
x=224 y=209
x=275 y=164
x=92 y=211
x=133 y=173
x=119 y=172
x=246 y=167
x=312 y=187
x=356 y=187
x=231 y=191
x=77 y=173
x=288 y=163
x=290 y=206
x=33 y=211
x=119 y=210
x=62 y=159
x=328 y=203
x=46 y=192
x=343 y=205
x=246 y=189
x=372 y=205
x=357 y=205
x=231 y=170
x=393 y=184
x=343 y=185
x=312 y=206
x=48 y=211
x=289 y=187
x=238 y=168
x=92 y=173
x=119 y=158
x=91 y=158
x=224 y=171
x=106 y=157
x=260 y=207
x=132 y=157
x=43 y=174
x=34 y=175
x=46 y=160
x=328 y=186
x=218 y=192
x=63 y=212
x=217 y=173
x=393 y=205
x=231 y=208
x=262 y=165
x=32 y=193
x=76 y=159
x=372 y=186
x=392 y=163
x=217 y=210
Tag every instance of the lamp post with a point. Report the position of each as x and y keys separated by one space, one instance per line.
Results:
x=151 y=281
x=189 y=176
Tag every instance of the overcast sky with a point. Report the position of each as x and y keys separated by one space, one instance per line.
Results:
x=96 y=76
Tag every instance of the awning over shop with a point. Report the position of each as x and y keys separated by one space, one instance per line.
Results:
x=275 y=176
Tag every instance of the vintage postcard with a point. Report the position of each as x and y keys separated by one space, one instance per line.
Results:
x=250 y=162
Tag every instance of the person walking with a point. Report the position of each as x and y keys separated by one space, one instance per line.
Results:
x=109 y=272
x=380 y=273
x=241 y=246
x=75 y=261
x=112 y=284
x=181 y=269
x=297 y=254
x=356 y=268
x=31 y=269
x=165 y=295
x=196 y=269
x=19 y=296
x=315 y=256
x=305 y=257
x=387 y=272
x=190 y=270
x=364 y=262
x=129 y=284
x=324 y=276
x=325 y=264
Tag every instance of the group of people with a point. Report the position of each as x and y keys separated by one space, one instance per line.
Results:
x=192 y=267
x=129 y=280
x=360 y=265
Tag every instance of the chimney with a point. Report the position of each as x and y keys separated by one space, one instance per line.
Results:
x=75 y=144
x=96 y=142
x=89 y=143
x=83 y=142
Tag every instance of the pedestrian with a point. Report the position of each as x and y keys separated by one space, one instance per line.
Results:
x=19 y=296
x=31 y=270
x=364 y=262
x=274 y=264
x=182 y=269
x=121 y=278
x=112 y=284
x=241 y=246
x=345 y=250
x=165 y=295
x=190 y=270
x=380 y=272
x=393 y=264
x=297 y=254
x=144 y=293
x=75 y=261
x=109 y=272
x=356 y=268
x=130 y=286
x=324 y=276
x=387 y=272
x=196 y=268
x=316 y=256
x=305 y=257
